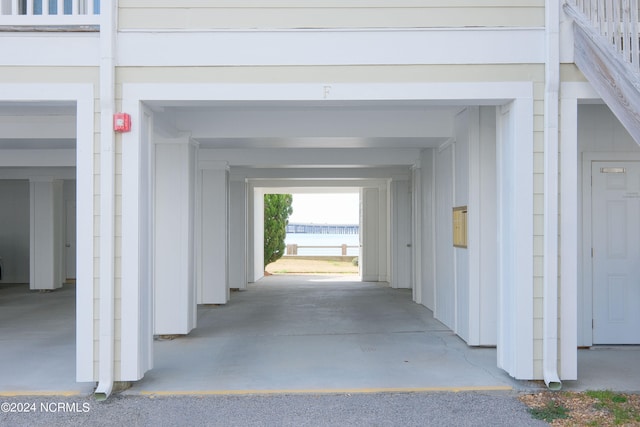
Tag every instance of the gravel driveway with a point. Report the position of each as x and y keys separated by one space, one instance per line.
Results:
x=382 y=409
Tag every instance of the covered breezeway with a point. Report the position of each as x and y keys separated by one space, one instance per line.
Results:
x=46 y=171
x=192 y=168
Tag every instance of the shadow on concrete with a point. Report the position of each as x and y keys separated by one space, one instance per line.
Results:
x=297 y=333
x=319 y=333
x=37 y=341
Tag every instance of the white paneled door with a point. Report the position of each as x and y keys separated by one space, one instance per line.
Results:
x=616 y=252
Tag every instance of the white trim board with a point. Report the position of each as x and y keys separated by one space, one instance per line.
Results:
x=274 y=157
x=319 y=47
x=440 y=94
x=50 y=49
x=570 y=293
x=38 y=158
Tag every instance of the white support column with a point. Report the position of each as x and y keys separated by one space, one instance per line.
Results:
x=375 y=233
x=257 y=230
x=213 y=284
x=428 y=233
x=238 y=233
x=174 y=292
x=46 y=234
x=137 y=243
x=515 y=238
x=369 y=233
x=416 y=232
x=482 y=231
x=384 y=233
x=569 y=220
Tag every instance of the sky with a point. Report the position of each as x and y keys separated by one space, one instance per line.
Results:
x=326 y=208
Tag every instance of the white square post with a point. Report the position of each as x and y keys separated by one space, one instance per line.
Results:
x=46 y=233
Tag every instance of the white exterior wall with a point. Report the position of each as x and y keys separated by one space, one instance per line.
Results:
x=70 y=232
x=600 y=131
x=445 y=298
x=225 y=14
x=466 y=123
x=15 y=223
x=465 y=278
x=14 y=227
x=470 y=175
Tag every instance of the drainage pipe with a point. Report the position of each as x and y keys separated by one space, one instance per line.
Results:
x=106 y=346
x=551 y=111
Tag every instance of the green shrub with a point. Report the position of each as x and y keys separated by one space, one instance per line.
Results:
x=277 y=208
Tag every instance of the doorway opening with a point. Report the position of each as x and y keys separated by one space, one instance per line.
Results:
x=379 y=225
x=609 y=297
x=38 y=194
x=391 y=171
x=322 y=235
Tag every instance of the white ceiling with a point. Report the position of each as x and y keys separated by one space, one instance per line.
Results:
x=37 y=125
x=308 y=124
x=289 y=126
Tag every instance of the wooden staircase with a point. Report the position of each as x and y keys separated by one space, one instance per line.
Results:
x=607 y=51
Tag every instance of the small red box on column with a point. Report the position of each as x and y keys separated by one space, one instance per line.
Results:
x=121 y=122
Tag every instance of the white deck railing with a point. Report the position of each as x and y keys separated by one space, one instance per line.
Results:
x=617 y=22
x=49 y=12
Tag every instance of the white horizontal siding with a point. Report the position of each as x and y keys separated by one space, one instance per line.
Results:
x=202 y=14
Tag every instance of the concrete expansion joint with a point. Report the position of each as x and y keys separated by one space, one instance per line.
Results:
x=466 y=358
x=478 y=366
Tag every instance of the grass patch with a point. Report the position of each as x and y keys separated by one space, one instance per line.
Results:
x=588 y=408
x=606 y=395
x=614 y=404
x=550 y=411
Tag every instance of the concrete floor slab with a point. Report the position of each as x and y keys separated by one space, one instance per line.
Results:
x=37 y=341
x=296 y=333
x=607 y=368
x=310 y=333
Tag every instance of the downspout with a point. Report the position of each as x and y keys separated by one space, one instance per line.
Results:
x=106 y=345
x=551 y=111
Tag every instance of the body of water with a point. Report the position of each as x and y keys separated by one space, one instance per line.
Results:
x=308 y=239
